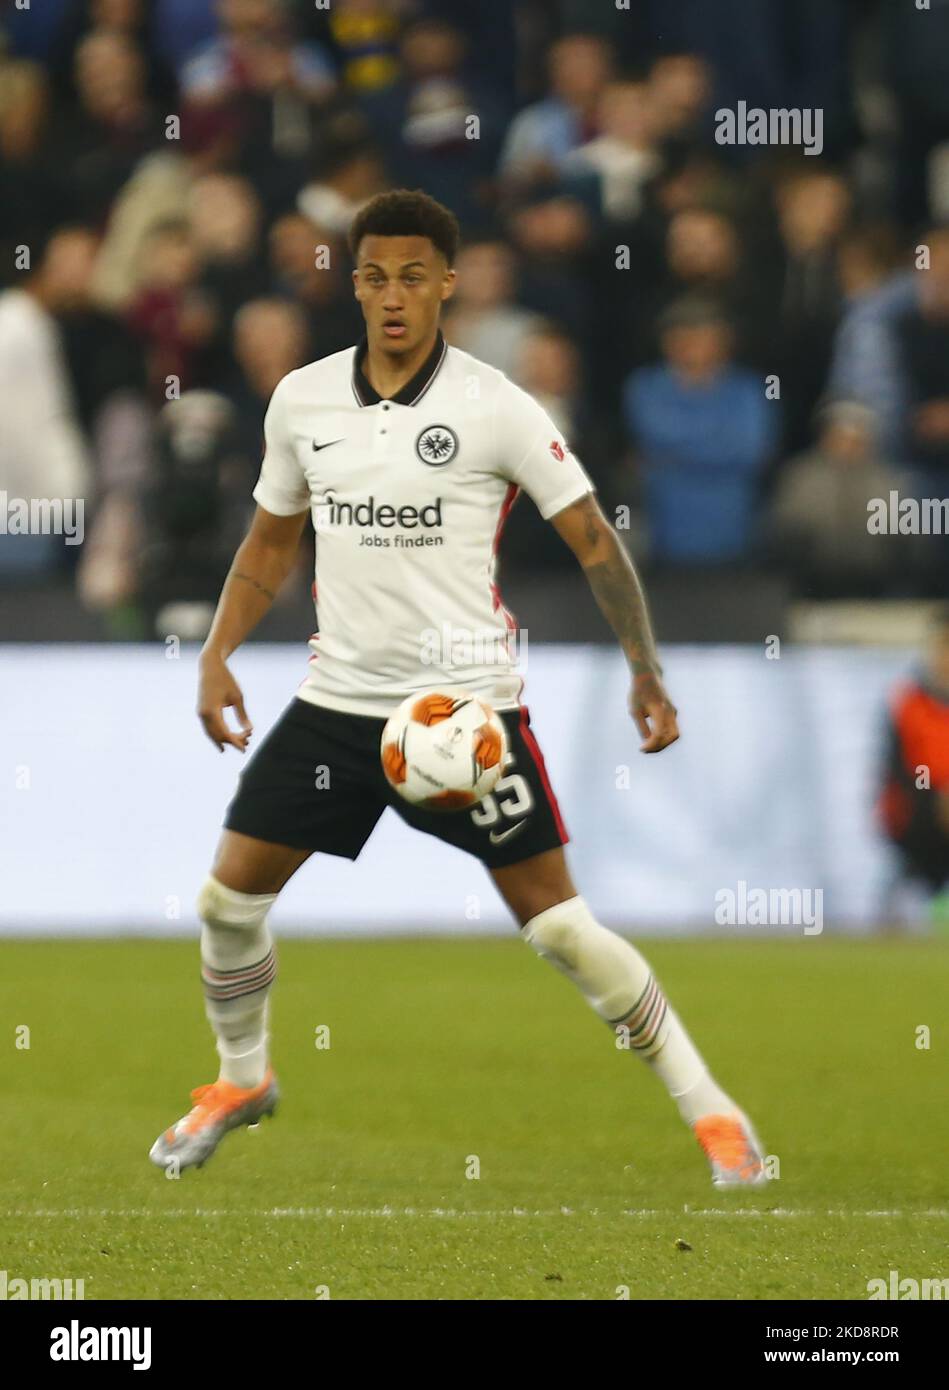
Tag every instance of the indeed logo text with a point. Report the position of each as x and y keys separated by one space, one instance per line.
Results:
x=331 y=512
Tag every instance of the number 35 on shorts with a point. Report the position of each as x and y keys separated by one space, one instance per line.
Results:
x=512 y=799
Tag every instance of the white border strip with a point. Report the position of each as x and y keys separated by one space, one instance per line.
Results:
x=459 y=1214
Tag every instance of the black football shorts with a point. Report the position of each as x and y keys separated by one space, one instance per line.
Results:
x=316 y=782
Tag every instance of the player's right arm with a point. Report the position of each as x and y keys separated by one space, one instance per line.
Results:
x=264 y=559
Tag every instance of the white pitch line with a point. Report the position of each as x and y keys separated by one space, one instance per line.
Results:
x=453 y=1214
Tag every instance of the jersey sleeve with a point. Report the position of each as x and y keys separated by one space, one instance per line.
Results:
x=282 y=487
x=533 y=453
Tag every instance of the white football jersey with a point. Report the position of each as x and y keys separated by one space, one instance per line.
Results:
x=408 y=498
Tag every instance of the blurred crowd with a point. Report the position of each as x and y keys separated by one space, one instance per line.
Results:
x=744 y=344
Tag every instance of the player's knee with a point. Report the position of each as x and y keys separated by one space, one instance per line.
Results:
x=608 y=970
x=224 y=908
x=557 y=932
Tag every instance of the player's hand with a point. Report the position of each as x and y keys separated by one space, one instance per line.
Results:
x=653 y=712
x=218 y=691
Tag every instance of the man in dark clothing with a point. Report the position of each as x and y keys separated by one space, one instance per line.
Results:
x=914 y=804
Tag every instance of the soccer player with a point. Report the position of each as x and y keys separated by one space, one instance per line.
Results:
x=408 y=455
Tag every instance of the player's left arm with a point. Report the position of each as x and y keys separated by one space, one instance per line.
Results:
x=619 y=593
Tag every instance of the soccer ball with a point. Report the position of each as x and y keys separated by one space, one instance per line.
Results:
x=443 y=750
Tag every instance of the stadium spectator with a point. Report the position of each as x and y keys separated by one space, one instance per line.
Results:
x=174 y=323
x=191 y=516
x=98 y=143
x=890 y=351
x=624 y=157
x=156 y=194
x=914 y=804
x=497 y=36
x=766 y=53
x=917 y=64
x=704 y=256
x=43 y=451
x=541 y=136
x=680 y=88
x=868 y=255
x=812 y=208
x=865 y=363
x=692 y=179
x=630 y=301
x=365 y=34
x=551 y=368
x=32 y=30
x=703 y=249
x=309 y=265
x=483 y=317
x=225 y=219
x=819 y=513
x=424 y=122
x=255 y=52
x=131 y=19
x=23 y=107
x=555 y=240
x=251 y=95
x=270 y=338
x=922 y=336
x=349 y=171
x=703 y=433
x=30 y=188
x=181 y=28
x=102 y=357
x=548 y=367
x=107 y=576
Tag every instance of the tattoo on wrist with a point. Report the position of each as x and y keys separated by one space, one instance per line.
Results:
x=236 y=574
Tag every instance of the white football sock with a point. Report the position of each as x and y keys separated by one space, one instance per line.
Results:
x=238 y=966
x=682 y=1070
x=618 y=983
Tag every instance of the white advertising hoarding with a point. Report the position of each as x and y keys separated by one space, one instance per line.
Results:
x=113 y=797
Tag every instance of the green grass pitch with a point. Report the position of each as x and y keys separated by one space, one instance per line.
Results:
x=446 y=1052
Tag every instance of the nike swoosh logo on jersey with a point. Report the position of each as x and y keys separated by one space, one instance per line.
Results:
x=496 y=836
x=327 y=444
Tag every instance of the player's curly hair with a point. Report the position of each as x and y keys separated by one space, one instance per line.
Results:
x=407 y=212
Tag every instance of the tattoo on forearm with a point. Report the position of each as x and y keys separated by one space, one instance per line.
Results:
x=621 y=600
x=236 y=574
x=591 y=521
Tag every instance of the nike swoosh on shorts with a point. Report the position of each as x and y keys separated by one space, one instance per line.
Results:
x=496 y=836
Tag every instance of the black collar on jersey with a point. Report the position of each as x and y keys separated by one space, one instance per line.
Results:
x=413 y=391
